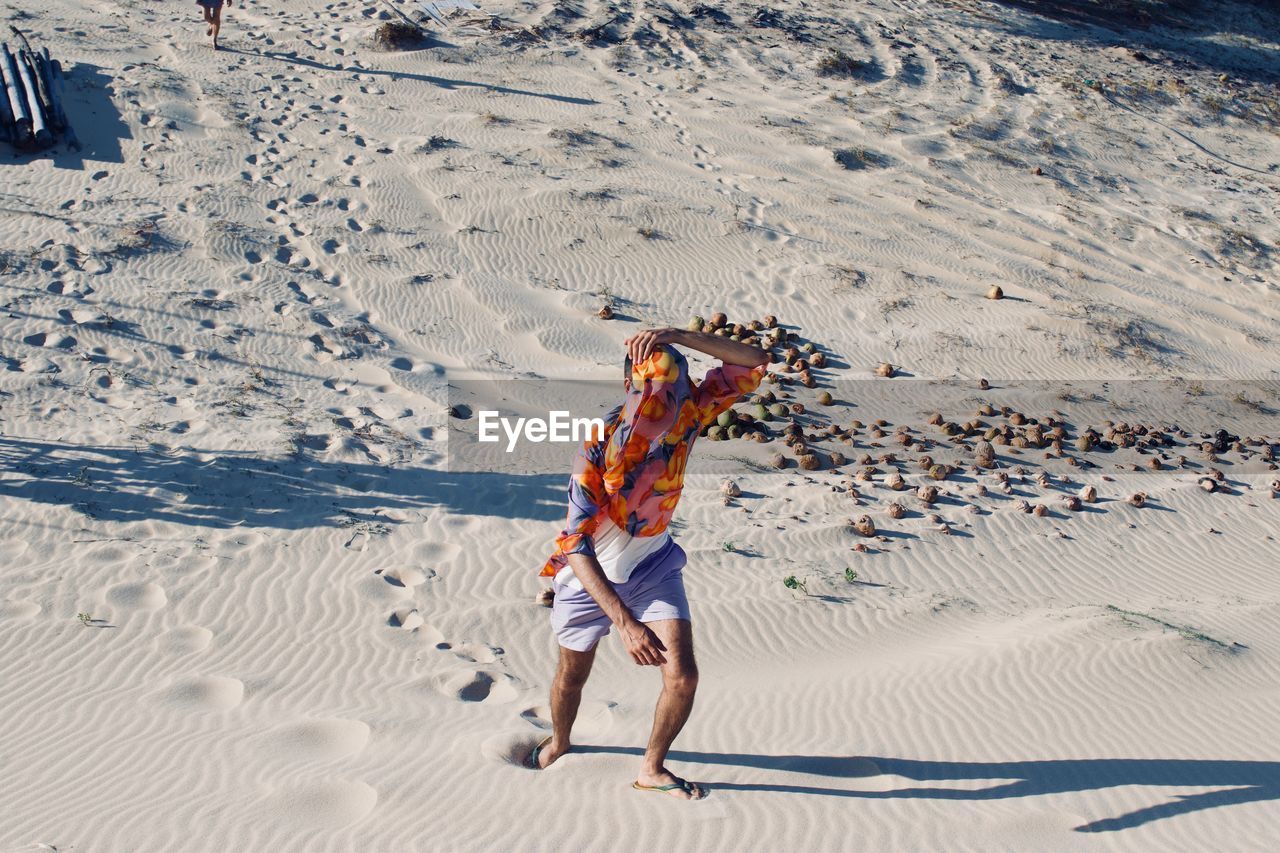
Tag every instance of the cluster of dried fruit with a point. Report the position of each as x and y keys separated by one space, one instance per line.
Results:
x=759 y=417
x=984 y=458
x=1054 y=435
x=974 y=444
x=764 y=333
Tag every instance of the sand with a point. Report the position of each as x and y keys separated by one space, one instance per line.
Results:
x=246 y=603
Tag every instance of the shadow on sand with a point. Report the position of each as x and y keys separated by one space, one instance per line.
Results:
x=1238 y=781
x=1185 y=31
x=94 y=118
x=442 y=82
x=226 y=489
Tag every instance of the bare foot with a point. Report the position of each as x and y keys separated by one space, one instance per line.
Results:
x=549 y=753
x=685 y=790
x=209 y=31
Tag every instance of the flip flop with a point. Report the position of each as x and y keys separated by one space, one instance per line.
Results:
x=532 y=763
x=684 y=784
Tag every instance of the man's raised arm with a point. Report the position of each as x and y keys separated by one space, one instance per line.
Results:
x=642 y=345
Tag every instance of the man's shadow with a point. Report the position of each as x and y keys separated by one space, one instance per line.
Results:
x=292 y=58
x=1238 y=781
x=223 y=489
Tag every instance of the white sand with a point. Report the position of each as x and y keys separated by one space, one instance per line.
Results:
x=228 y=318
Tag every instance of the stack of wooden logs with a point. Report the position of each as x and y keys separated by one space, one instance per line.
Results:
x=31 y=113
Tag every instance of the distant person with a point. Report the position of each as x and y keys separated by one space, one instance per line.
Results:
x=212 y=17
x=615 y=563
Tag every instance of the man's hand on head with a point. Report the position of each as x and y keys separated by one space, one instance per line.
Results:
x=642 y=344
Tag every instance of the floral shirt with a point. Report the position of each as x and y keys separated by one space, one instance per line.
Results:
x=634 y=473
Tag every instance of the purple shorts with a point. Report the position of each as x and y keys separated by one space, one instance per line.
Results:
x=654 y=591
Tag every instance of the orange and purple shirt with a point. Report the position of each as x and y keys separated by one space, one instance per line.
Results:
x=633 y=474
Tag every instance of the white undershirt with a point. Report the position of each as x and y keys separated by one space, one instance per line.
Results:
x=618 y=553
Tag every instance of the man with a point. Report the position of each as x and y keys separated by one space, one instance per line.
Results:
x=615 y=563
x=212 y=17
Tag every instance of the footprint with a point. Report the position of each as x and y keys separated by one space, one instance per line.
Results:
x=137 y=596
x=512 y=748
x=410 y=621
x=320 y=739
x=476 y=652
x=204 y=693
x=81 y=317
x=303 y=293
x=339 y=385
x=184 y=640
x=594 y=717
x=324 y=348
x=406 y=576
x=383 y=412
x=316 y=442
x=436 y=552
x=477 y=686
x=407 y=618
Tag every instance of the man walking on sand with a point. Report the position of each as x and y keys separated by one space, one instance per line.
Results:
x=615 y=563
x=212 y=17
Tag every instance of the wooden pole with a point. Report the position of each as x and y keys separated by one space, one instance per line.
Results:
x=42 y=91
x=68 y=133
x=39 y=128
x=403 y=16
x=7 y=129
x=59 y=117
x=17 y=102
x=32 y=57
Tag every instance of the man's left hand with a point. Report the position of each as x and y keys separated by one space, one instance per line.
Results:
x=641 y=345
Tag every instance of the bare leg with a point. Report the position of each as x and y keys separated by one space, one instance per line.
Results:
x=566 y=696
x=679 y=683
x=208 y=19
x=217 y=25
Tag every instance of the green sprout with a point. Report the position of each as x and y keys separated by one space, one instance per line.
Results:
x=793 y=582
x=728 y=546
x=85 y=619
x=850 y=575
